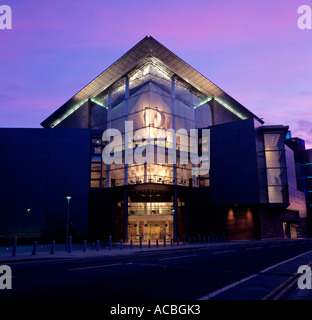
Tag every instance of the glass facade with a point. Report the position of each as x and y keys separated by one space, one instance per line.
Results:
x=154 y=100
x=151 y=220
x=157 y=103
x=276 y=168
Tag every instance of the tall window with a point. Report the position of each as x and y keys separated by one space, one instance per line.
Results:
x=276 y=168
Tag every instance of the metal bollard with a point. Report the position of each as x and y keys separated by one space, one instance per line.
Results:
x=199 y=239
x=97 y=245
x=84 y=249
x=110 y=243
x=70 y=244
x=52 y=247
x=178 y=242
x=194 y=240
x=149 y=243
x=212 y=237
x=171 y=242
x=131 y=244
x=120 y=244
x=34 y=252
x=184 y=239
x=156 y=243
x=164 y=241
x=14 y=247
x=140 y=242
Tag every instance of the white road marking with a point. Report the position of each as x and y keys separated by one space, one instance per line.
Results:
x=94 y=267
x=215 y=293
x=223 y=251
x=193 y=255
x=254 y=248
x=230 y=286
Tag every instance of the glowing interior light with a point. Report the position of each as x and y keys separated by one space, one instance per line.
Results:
x=153 y=117
x=225 y=105
x=68 y=113
x=146 y=70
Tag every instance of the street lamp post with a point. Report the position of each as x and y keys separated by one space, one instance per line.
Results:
x=28 y=212
x=68 y=197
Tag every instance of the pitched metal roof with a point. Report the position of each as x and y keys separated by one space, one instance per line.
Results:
x=148 y=47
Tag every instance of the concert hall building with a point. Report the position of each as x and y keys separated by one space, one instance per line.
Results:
x=259 y=183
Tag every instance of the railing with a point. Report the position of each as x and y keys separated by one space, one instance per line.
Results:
x=148 y=179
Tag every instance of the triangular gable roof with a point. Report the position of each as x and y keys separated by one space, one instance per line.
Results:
x=148 y=47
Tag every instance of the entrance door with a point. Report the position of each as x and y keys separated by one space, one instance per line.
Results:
x=293 y=231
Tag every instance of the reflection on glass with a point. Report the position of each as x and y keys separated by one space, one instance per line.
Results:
x=276 y=168
x=151 y=104
x=150 y=220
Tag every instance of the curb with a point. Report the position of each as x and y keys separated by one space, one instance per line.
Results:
x=41 y=256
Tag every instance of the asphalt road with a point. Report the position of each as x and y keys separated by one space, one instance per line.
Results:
x=184 y=274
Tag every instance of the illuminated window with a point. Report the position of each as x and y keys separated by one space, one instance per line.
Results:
x=276 y=168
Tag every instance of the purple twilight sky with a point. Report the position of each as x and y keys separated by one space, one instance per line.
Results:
x=252 y=49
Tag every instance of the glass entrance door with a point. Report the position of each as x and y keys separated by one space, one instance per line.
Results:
x=150 y=220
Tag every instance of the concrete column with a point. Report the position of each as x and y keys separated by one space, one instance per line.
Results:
x=125 y=217
x=137 y=231
x=174 y=124
x=173 y=96
x=145 y=173
x=175 y=214
x=108 y=126
x=212 y=104
x=109 y=110
x=127 y=94
x=90 y=107
x=167 y=228
x=145 y=231
x=193 y=127
x=192 y=109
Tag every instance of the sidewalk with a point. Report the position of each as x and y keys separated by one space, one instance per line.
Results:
x=24 y=253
